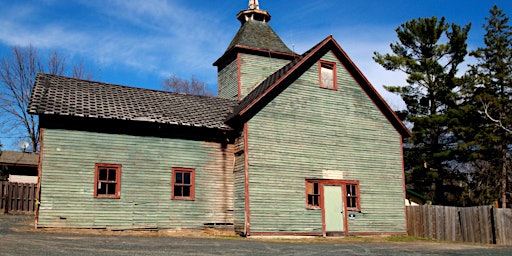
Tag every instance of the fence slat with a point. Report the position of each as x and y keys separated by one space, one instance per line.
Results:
x=480 y=224
x=17 y=198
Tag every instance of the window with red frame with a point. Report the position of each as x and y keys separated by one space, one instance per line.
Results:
x=183 y=187
x=313 y=195
x=107 y=181
x=327 y=73
x=352 y=191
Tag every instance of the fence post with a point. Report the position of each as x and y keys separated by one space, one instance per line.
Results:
x=7 y=197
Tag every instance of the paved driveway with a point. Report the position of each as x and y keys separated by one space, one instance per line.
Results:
x=18 y=238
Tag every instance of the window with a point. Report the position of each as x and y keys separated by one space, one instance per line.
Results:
x=313 y=195
x=327 y=74
x=352 y=197
x=107 y=181
x=182 y=183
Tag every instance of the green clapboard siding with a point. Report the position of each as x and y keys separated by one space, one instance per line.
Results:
x=67 y=182
x=310 y=132
x=228 y=81
x=254 y=69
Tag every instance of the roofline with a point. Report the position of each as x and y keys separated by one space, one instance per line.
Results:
x=352 y=68
x=257 y=51
x=393 y=118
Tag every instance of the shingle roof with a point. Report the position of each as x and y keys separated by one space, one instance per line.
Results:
x=60 y=95
x=15 y=158
x=259 y=35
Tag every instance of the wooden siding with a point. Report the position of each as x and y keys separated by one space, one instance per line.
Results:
x=228 y=81
x=255 y=69
x=239 y=187
x=67 y=182
x=311 y=132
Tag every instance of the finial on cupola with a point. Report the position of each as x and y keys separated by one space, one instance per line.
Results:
x=253 y=13
x=253 y=5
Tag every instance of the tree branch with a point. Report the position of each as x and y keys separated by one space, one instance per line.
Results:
x=497 y=121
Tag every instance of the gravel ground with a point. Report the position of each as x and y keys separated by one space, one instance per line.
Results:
x=17 y=237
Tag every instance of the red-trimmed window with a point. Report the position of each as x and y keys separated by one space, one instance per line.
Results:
x=327 y=74
x=312 y=194
x=107 y=179
x=352 y=194
x=183 y=183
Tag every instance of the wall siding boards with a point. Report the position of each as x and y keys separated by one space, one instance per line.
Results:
x=254 y=69
x=228 y=81
x=311 y=132
x=67 y=196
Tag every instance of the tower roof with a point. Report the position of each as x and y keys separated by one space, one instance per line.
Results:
x=256 y=35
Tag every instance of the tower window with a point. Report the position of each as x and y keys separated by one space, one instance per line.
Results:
x=327 y=75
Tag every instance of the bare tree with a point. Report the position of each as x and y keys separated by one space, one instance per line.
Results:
x=194 y=86
x=17 y=75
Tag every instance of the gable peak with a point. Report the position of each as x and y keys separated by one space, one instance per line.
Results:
x=253 y=12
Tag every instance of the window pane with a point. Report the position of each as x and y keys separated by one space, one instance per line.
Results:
x=112 y=175
x=186 y=191
x=102 y=174
x=177 y=191
x=315 y=191
x=310 y=188
x=327 y=78
x=179 y=178
x=111 y=188
x=186 y=178
x=102 y=188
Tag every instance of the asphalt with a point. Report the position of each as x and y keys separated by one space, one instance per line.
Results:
x=18 y=237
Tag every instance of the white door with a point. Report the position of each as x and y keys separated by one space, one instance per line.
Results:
x=333 y=209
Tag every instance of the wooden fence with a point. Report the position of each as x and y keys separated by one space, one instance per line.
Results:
x=480 y=224
x=17 y=198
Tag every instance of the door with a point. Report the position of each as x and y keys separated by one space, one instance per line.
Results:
x=333 y=209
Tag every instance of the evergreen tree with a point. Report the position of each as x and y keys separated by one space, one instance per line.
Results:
x=485 y=127
x=431 y=66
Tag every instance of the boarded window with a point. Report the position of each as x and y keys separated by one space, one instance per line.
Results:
x=313 y=195
x=327 y=75
x=352 y=191
x=107 y=181
x=183 y=183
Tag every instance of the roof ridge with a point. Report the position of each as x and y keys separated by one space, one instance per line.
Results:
x=130 y=87
x=66 y=96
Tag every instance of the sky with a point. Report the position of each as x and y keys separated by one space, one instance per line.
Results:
x=140 y=43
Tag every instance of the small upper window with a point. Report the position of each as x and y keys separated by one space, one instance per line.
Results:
x=183 y=183
x=327 y=75
x=107 y=181
x=313 y=194
x=352 y=197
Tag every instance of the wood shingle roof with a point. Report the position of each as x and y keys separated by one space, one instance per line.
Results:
x=59 y=95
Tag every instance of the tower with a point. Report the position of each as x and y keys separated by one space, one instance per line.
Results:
x=255 y=52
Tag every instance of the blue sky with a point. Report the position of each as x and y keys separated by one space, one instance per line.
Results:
x=139 y=43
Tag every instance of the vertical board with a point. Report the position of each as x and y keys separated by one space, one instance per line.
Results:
x=311 y=132
x=464 y=224
x=67 y=181
x=503 y=224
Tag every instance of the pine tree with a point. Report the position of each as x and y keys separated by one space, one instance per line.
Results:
x=431 y=66
x=487 y=136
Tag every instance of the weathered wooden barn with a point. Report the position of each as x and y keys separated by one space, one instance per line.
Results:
x=293 y=145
